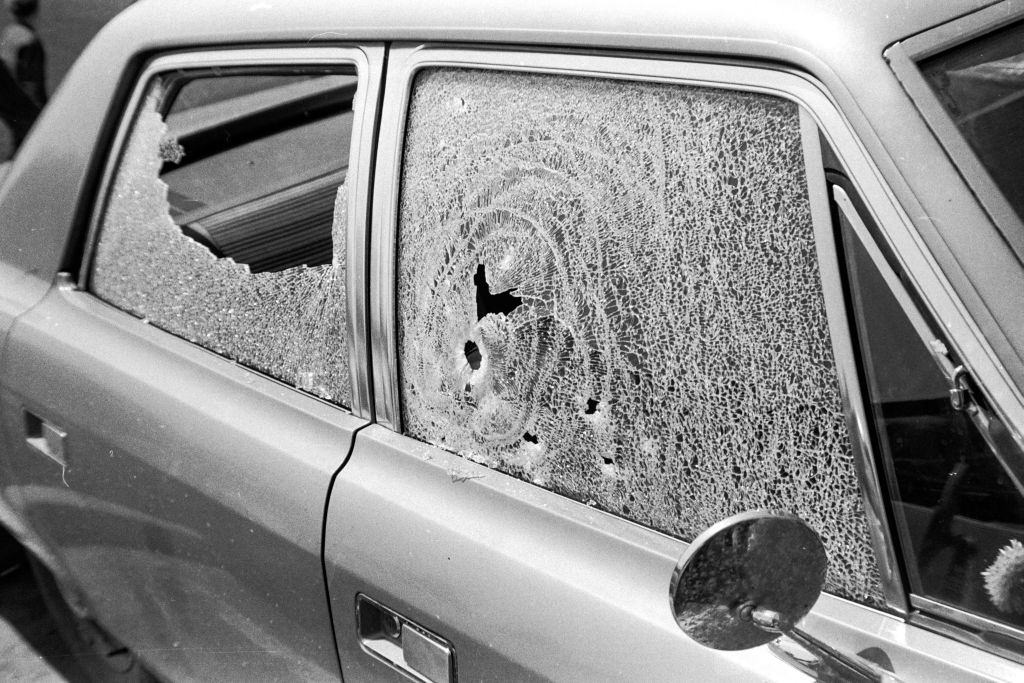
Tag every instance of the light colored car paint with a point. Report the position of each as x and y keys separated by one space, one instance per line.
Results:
x=201 y=489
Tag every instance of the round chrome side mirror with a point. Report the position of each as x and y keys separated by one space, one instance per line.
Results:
x=747 y=579
x=752 y=577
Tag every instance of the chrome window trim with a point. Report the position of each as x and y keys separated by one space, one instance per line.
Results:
x=858 y=425
x=368 y=61
x=849 y=211
x=962 y=30
x=903 y=57
x=946 y=612
x=926 y=332
x=405 y=61
x=358 y=231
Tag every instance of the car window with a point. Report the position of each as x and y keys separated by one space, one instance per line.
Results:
x=611 y=289
x=226 y=218
x=981 y=86
x=959 y=503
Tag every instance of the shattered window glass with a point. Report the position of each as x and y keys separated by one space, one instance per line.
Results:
x=227 y=218
x=610 y=289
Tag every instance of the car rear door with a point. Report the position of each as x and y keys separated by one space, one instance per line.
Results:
x=607 y=312
x=174 y=417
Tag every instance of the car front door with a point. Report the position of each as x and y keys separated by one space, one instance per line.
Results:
x=176 y=415
x=607 y=312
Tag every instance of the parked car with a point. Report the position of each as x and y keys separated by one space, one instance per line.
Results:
x=577 y=342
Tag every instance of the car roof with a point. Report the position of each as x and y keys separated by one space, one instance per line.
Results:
x=838 y=41
x=816 y=26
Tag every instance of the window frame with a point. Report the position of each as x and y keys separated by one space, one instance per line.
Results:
x=903 y=58
x=367 y=59
x=927 y=330
x=818 y=114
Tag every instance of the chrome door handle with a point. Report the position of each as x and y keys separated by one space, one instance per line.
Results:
x=402 y=644
x=46 y=437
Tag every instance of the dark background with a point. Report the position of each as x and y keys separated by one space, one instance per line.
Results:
x=65 y=27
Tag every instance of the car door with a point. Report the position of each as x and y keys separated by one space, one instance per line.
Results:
x=608 y=312
x=175 y=416
x=489 y=568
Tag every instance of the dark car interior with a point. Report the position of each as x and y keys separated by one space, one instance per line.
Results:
x=241 y=178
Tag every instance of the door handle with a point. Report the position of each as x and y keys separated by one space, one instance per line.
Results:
x=402 y=644
x=46 y=438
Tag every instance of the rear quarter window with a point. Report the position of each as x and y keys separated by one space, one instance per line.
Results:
x=980 y=85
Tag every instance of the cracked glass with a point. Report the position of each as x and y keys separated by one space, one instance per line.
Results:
x=227 y=217
x=610 y=289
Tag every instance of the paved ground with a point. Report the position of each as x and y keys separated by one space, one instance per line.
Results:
x=30 y=647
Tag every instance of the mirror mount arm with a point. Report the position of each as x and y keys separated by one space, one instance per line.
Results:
x=832 y=665
x=835 y=666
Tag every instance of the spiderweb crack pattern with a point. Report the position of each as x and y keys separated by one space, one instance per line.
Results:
x=668 y=358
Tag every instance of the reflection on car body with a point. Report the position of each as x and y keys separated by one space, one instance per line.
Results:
x=386 y=343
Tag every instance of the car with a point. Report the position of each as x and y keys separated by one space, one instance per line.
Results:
x=591 y=341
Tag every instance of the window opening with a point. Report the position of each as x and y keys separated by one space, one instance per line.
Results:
x=503 y=302
x=980 y=85
x=959 y=508
x=226 y=219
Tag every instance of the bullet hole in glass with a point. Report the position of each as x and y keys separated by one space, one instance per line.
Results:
x=592 y=406
x=473 y=356
x=527 y=436
x=503 y=302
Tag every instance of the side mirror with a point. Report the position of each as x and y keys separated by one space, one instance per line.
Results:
x=747 y=579
x=752 y=577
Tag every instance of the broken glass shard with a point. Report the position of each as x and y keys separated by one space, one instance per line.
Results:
x=287 y=323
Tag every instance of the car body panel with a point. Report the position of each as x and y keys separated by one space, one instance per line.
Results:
x=343 y=583
x=525 y=584
x=164 y=515
x=221 y=502
x=194 y=536
x=915 y=653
